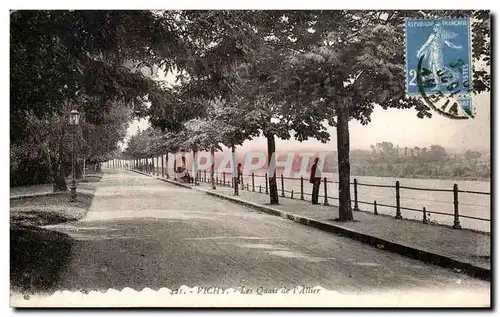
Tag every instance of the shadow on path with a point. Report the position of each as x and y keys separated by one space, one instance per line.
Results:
x=37 y=258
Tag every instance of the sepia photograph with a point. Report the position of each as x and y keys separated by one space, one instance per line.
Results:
x=250 y=158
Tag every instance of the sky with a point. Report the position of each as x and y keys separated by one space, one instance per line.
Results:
x=398 y=126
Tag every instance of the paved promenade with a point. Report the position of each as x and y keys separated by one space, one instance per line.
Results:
x=144 y=232
x=463 y=245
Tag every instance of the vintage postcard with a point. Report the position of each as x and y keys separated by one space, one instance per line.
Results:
x=250 y=158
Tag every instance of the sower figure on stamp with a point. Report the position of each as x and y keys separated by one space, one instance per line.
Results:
x=433 y=50
x=315 y=179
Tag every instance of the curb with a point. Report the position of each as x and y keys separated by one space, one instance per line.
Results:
x=34 y=195
x=411 y=252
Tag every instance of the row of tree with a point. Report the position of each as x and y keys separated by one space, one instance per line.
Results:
x=290 y=75
x=83 y=60
x=433 y=153
x=239 y=74
x=426 y=162
x=45 y=153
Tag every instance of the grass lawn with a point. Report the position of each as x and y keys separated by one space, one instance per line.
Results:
x=38 y=255
x=55 y=208
x=90 y=177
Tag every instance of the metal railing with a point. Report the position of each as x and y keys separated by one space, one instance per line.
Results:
x=300 y=194
x=154 y=167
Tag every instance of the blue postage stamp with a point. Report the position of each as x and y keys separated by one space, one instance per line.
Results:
x=438 y=57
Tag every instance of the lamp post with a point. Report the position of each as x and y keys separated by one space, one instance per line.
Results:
x=74 y=118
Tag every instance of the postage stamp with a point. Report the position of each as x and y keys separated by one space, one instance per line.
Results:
x=438 y=64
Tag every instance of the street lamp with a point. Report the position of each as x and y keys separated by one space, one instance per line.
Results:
x=74 y=118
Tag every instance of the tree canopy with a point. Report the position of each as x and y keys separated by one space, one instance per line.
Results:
x=239 y=74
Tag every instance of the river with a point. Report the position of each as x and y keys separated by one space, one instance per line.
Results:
x=474 y=205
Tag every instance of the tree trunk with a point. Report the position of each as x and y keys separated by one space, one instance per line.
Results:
x=235 y=171
x=212 y=169
x=166 y=165
x=162 y=166
x=195 y=169
x=271 y=161
x=50 y=164
x=78 y=169
x=175 y=167
x=58 y=173
x=344 y=168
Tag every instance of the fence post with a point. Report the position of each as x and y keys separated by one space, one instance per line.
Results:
x=248 y=187
x=375 y=212
x=162 y=166
x=326 y=192
x=266 y=185
x=260 y=188
x=282 y=186
x=291 y=195
x=356 y=207
x=253 y=182
x=301 y=188
x=398 y=204
x=224 y=178
x=424 y=218
x=456 y=221
x=205 y=176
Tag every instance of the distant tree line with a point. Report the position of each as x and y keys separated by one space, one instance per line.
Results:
x=386 y=160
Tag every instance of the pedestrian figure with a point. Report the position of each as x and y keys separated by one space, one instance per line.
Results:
x=316 y=181
x=186 y=177
x=240 y=174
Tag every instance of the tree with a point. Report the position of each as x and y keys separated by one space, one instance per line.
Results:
x=334 y=72
x=472 y=157
x=224 y=125
x=218 y=41
x=257 y=81
x=300 y=70
x=417 y=151
x=437 y=153
x=60 y=57
x=348 y=61
x=84 y=58
x=386 y=148
x=97 y=141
